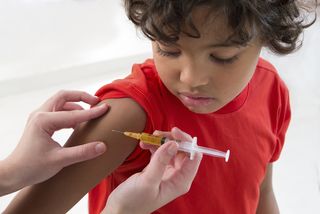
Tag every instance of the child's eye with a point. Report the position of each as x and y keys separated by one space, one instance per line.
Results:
x=167 y=53
x=223 y=61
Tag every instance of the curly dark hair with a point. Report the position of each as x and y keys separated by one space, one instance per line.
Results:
x=279 y=23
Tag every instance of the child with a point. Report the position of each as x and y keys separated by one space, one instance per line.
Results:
x=206 y=78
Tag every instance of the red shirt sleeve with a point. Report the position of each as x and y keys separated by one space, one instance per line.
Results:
x=283 y=120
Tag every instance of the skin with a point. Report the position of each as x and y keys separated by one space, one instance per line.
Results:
x=25 y=166
x=61 y=192
x=191 y=68
x=168 y=175
x=267 y=200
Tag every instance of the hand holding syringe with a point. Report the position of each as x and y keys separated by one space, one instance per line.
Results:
x=185 y=146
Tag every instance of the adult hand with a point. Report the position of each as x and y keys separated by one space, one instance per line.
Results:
x=168 y=176
x=37 y=156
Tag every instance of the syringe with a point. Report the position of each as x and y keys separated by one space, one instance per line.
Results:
x=185 y=146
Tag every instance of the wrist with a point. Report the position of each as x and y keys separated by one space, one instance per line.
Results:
x=10 y=180
x=7 y=184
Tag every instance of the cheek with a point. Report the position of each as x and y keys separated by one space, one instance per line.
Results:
x=230 y=82
x=247 y=68
x=241 y=78
x=166 y=69
x=168 y=77
x=243 y=70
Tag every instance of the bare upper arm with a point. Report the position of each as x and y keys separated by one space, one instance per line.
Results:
x=60 y=193
x=266 y=184
x=267 y=201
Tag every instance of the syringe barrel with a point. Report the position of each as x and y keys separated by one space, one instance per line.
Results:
x=152 y=139
x=187 y=147
x=184 y=146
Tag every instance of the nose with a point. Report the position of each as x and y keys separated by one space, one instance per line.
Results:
x=193 y=76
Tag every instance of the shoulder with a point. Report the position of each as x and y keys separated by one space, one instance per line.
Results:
x=266 y=75
x=276 y=93
x=266 y=65
x=124 y=110
x=270 y=91
x=144 y=88
x=266 y=69
x=139 y=83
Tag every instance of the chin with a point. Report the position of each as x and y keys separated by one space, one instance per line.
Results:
x=203 y=110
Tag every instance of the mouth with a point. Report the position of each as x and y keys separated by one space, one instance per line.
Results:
x=195 y=100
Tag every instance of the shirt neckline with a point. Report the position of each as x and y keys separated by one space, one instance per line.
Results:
x=234 y=104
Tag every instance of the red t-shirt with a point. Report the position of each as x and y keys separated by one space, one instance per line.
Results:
x=252 y=126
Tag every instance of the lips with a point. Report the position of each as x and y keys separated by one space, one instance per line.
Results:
x=195 y=100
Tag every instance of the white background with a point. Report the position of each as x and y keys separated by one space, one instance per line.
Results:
x=50 y=45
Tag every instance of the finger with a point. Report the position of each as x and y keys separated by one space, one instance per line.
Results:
x=161 y=133
x=68 y=119
x=76 y=154
x=189 y=168
x=69 y=106
x=56 y=102
x=180 y=135
x=158 y=164
x=150 y=147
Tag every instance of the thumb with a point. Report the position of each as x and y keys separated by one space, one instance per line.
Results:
x=71 y=155
x=179 y=134
x=160 y=161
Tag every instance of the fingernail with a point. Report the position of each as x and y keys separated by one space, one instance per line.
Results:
x=173 y=149
x=175 y=129
x=100 y=148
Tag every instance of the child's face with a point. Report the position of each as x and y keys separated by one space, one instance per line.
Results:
x=204 y=73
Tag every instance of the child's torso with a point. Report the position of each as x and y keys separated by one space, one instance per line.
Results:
x=247 y=130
